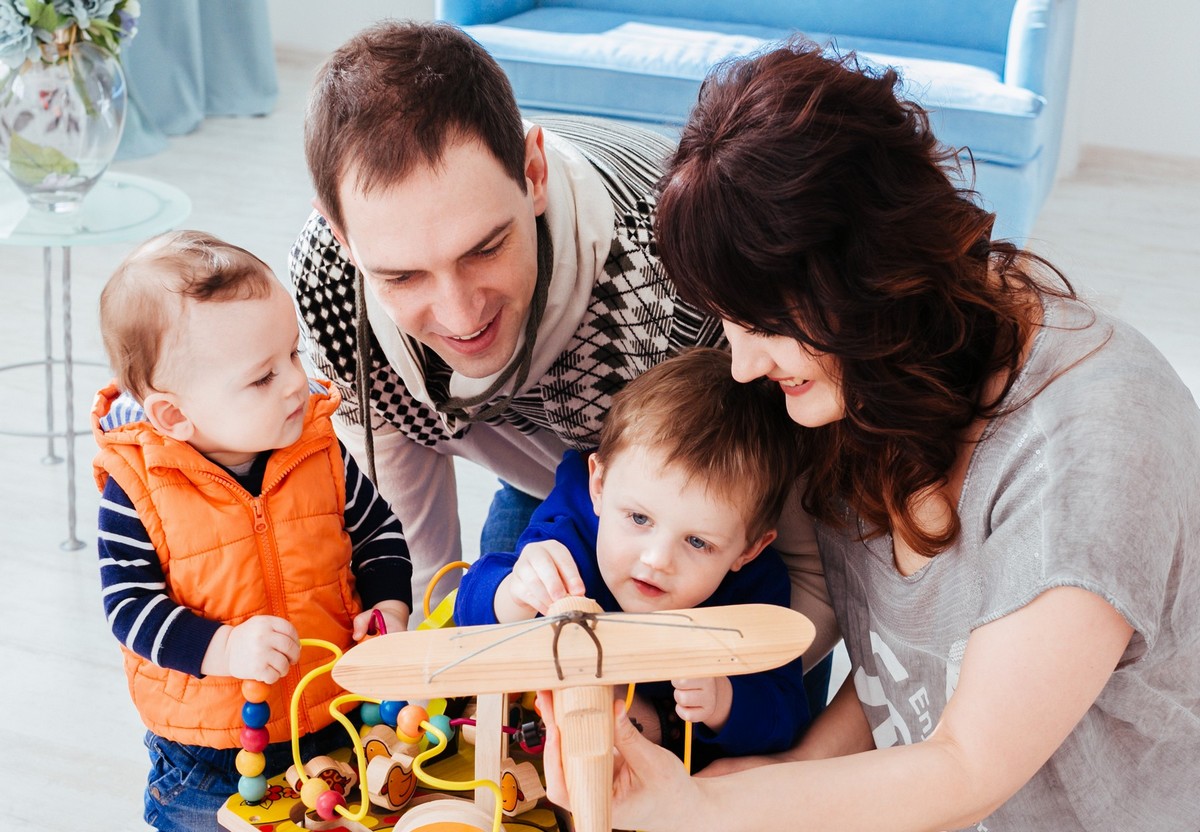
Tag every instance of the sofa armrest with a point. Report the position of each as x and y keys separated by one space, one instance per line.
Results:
x=473 y=12
x=1040 y=37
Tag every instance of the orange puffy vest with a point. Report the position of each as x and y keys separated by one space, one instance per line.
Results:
x=228 y=556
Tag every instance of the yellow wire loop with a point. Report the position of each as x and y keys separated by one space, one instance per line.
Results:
x=438 y=783
x=294 y=723
x=437 y=576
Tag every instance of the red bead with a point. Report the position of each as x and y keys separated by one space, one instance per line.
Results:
x=255 y=739
x=328 y=802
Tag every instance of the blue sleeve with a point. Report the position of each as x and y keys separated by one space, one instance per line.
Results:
x=566 y=516
x=770 y=709
x=137 y=604
x=380 y=561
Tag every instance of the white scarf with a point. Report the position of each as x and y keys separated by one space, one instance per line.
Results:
x=579 y=217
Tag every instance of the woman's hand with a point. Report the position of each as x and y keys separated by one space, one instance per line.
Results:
x=651 y=789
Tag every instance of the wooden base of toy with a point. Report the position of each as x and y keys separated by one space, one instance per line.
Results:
x=282 y=811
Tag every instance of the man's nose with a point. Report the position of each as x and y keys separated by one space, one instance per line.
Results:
x=458 y=306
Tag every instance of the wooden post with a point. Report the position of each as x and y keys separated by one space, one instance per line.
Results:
x=490 y=745
x=585 y=719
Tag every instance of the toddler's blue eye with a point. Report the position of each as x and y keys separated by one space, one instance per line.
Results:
x=697 y=542
x=639 y=519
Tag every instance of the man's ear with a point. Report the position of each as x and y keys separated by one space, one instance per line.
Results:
x=337 y=231
x=595 y=481
x=753 y=550
x=164 y=414
x=536 y=168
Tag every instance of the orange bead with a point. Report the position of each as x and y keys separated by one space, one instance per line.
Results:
x=255 y=691
x=408 y=723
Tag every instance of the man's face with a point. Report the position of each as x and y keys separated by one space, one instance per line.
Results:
x=451 y=252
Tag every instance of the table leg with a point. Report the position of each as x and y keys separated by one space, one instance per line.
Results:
x=71 y=542
x=50 y=458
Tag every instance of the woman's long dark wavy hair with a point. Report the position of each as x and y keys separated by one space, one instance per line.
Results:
x=808 y=200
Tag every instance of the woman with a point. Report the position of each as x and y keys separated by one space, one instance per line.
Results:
x=1006 y=484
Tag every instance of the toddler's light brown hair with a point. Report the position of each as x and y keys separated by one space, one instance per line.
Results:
x=148 y=293
x=736 y=438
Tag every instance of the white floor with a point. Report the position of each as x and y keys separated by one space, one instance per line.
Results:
x=1125 y=228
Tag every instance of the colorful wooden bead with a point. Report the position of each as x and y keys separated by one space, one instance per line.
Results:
x=255 y=691
x=250 y=763
x=388 y=711
x=369 y=712
x=254 y=739
x=327 y=803
x=256 y=714
x=408 y=722
x=442 y=723
x=311 y=790
x=252 y=789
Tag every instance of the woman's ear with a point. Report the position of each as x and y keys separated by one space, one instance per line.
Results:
x=753 y=550
x=595 y=481
x=164 y=414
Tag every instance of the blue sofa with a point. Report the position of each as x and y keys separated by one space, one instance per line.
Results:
x=992 y=73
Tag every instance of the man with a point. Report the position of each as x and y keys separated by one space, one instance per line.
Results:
x=498 y=279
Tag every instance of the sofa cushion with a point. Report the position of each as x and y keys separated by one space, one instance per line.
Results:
x=649 y=68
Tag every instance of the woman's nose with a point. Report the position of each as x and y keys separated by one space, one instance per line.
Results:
x=749 y=360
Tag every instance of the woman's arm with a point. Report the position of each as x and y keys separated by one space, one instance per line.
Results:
x=1026 y=680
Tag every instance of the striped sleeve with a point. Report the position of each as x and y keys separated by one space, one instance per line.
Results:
x=380 y=561
x=139 y=610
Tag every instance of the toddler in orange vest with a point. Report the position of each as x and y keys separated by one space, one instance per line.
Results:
x=232 y=523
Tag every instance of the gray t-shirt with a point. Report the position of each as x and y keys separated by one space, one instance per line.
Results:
x=1094 y=483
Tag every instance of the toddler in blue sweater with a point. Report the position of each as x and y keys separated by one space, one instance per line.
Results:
x=674 y=510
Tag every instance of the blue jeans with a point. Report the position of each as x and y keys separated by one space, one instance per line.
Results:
x=189 y=783
x=508 y=516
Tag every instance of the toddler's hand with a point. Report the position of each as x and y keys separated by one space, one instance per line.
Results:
x=395 y=618
x=544 y=573
x=262 y=648
x=704 y=700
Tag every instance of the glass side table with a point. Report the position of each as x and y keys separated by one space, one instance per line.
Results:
x=120 y=208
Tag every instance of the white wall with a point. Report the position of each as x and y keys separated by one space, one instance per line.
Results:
x=322 y=26
x=1135 y=76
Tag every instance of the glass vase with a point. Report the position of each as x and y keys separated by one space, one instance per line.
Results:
x=60 y=123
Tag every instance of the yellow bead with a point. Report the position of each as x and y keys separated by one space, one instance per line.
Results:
x=250 y=763
x=310 y=791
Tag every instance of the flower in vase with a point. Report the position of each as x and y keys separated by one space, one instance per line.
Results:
x=33 y=29
x=17 y=39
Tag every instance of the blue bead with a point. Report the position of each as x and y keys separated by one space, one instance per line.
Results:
x=256 y=714
x=389 y=709
x=252 y=789
x=442 y=722
x=370 y=714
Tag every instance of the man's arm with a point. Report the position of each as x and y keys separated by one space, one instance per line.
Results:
x=419 y=485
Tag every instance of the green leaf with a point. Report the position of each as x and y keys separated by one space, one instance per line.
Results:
x=30 y=163
x=42 y=15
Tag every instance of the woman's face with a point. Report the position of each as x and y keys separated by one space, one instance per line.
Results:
x=808 y=380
